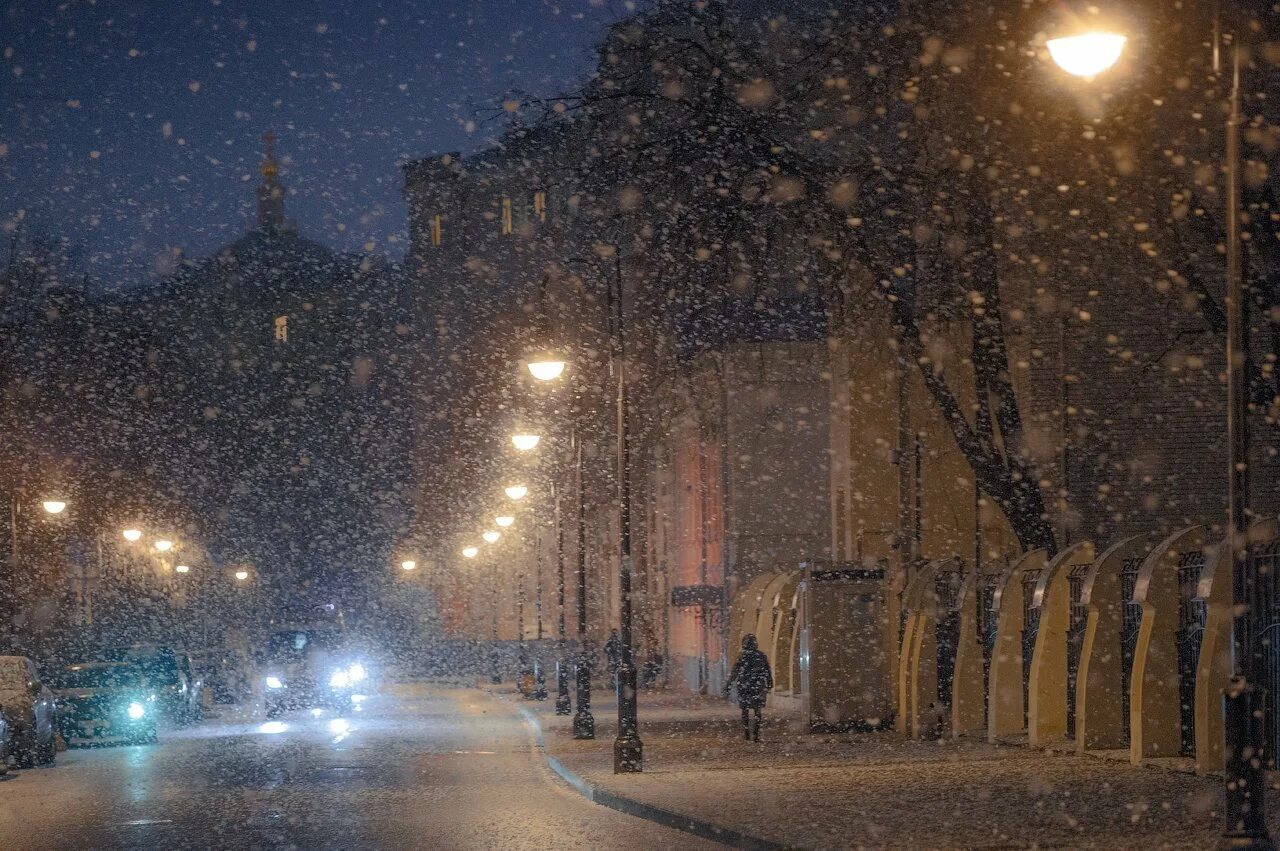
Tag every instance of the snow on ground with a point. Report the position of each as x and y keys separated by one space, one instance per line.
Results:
x=877 y=790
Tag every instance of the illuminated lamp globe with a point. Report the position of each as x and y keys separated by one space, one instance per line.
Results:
x=242 y=575
x=408 y=564
x=504 y=521
x=132 y=535
x=1088 y=54
x=491 y=537
x=525 y=442
x=470 y=552
x=164 y=545
x=54 y=506
x=183 y=568
x=546 y=368
x=516 y=492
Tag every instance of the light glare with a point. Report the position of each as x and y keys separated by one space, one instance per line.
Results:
x=54 y=506
x=132 y=534
x=491 y=537
x=546 y=370
x=470 y=552
x=516 y=492
x=408 y=564
x=504 y=521
x=525 y=442
x=1086 y=55
x=164 y=545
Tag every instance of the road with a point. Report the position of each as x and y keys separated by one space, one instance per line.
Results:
x=430 y=767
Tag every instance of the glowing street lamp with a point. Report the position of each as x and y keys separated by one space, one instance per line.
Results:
x=183 y=568
x=516 y=492
x=242 y=575
x=504 y=521
x=470 y=552
x=1087 y=54
x=54 y=506
x=132 y=535
x=546 y=367
x=408 y=564
x=164 y=545
x=491 y=537
x=525 y=442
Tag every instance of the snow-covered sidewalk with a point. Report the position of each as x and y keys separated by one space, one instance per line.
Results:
x=879 y=790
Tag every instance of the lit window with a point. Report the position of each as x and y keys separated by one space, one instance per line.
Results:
x=506 y=216
x=282 y=329
x=437 y=229
x=540 y=205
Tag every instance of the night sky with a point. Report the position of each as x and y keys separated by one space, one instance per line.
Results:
x=134 y=128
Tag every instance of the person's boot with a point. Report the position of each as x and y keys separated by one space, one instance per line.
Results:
x=755 y=731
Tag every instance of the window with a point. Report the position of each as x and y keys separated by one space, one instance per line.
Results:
x=506 y=216
x=437 y=229
x=282 y=329
x=540 y=205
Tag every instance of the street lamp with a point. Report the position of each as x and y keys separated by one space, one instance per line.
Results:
x=504 y=520
x=1087 y=55
x=132 y=535
x=183 y=568
x=242 y=575
x=523 y=442
x=470 y=552
x=408 y=564
x=491 y=537
x=164 y=545
x=546 y=367
x=516 y=492
x=54 y=506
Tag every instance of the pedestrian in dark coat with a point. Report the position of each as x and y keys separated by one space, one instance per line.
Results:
x=753 y=679
x=613 y=655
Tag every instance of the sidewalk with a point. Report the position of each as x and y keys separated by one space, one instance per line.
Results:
x=878 y=790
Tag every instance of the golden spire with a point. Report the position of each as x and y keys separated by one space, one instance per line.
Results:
x=270 y=168
x=270 y=193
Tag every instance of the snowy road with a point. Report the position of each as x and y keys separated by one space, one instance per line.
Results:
x=424 y=767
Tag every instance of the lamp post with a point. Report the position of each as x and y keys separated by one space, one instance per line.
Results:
x=1086 y=55
x=628 y=750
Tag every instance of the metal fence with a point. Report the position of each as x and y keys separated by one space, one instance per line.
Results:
x=947 y=591
x=987 y=631
x=1191 y=619
x=1077 y=622
x=1265 y=564
x=1030 y=628
x=1130 y=625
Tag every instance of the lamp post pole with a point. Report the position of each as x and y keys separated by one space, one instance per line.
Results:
x=584 y=723
x=564 y=705
x=628 y=750
x=494 y=675
x=1246 y=743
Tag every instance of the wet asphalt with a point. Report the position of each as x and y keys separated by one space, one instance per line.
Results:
x=418 y=766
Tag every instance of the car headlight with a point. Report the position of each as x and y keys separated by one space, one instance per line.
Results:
x=274 y=682
x=136 y=710
x=356 y=672
x=339 y=679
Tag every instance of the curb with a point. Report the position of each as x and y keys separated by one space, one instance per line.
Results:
x=677 y=821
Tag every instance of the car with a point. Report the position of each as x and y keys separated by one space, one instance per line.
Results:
x=307 y=667
x=103 y=701
x=29 y=712
x=178 y=689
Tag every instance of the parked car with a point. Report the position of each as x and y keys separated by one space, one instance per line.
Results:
x=105 y=701
x=28 y=708
x=169 y=673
